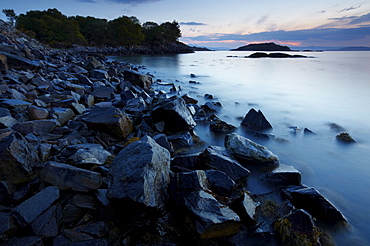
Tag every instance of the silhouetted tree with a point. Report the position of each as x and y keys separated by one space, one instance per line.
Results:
x=125 y=31
x=93 y=29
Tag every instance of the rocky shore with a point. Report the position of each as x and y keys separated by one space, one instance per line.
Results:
x=91 y=154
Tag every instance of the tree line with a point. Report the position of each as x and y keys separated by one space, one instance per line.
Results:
x=53 y=28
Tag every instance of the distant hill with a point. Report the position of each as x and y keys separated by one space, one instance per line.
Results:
x=263 y=47
x=355 y=48
x=195 y=48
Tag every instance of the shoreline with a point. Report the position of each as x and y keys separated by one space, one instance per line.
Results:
x=95 y=131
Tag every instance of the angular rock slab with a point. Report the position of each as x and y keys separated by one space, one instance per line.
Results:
x=256 y=121
x=110 y=120
x=217 y=158
x=283 y=175
x=135 y=78
x=29 y=210
x=175 y=114
x=211 y=219
x=17 y=159
x=69 y=177
x=36 y=127
x=246 y=150
x=309 y=199
x=140 y=173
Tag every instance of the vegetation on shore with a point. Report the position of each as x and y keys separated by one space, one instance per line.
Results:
x=53 y=28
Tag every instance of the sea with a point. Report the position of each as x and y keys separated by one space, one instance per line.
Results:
x=327 y=88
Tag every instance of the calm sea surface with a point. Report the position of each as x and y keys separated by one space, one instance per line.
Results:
x=330 y=87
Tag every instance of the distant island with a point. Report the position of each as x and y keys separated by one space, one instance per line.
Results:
x=355 y=48
x=263 y=47
x=195 y=48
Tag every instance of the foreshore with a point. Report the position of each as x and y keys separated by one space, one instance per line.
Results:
x=91 y=154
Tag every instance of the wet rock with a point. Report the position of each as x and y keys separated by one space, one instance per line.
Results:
x=6 y=119
x=220 y=183
x=317 y=205
x=248 y=151
x=283 y=175
x=18 y=158
x=210 y=218
x=140 y=174
x=127 y=95
x=307 y=131
x=69 y=177
x=294 y=129
x=189 y=100
x=208 y=96
x=36 y=127
x=218 y=125
x=29 y=210
x=345 y=138
x=135 y=78
x=212 y=106
x=175 y=115
x=297 y=228
x=335 y=127
x=110 y=120
x=255 y=121
x=218 y=158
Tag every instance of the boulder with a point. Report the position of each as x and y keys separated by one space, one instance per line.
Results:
x=175 y=115
x=140 y=174
x=248 y=151
x=109 y=120
x=345 y=138
x=99 y=74
x=212 y=106
x=46 y=225
x=297 y=228
x=65 y=177
x=18 y=158
x=309 y=199
x=218 y=158
x=210 y=218
x=63 y=115
x=255 y=121
x=138 y=79
x=14 y=103
x=103 y=93
x=218 y=125
x=29 y=210
x=136 y=104
x=283 y=175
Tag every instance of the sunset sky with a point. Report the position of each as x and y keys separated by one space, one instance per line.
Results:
x=230 y=24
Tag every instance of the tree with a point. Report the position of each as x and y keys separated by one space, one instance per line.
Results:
x=93 y=29
x=51 y=27
x=10 y=14
x=125 y=31
x=172 y=31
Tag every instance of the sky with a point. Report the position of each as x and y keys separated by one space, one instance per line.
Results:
x=232 y=23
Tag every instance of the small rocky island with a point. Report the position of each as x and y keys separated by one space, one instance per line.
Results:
x=92 y=154
x=263 y=47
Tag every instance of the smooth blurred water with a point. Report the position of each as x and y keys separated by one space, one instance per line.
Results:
x=330 y=87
